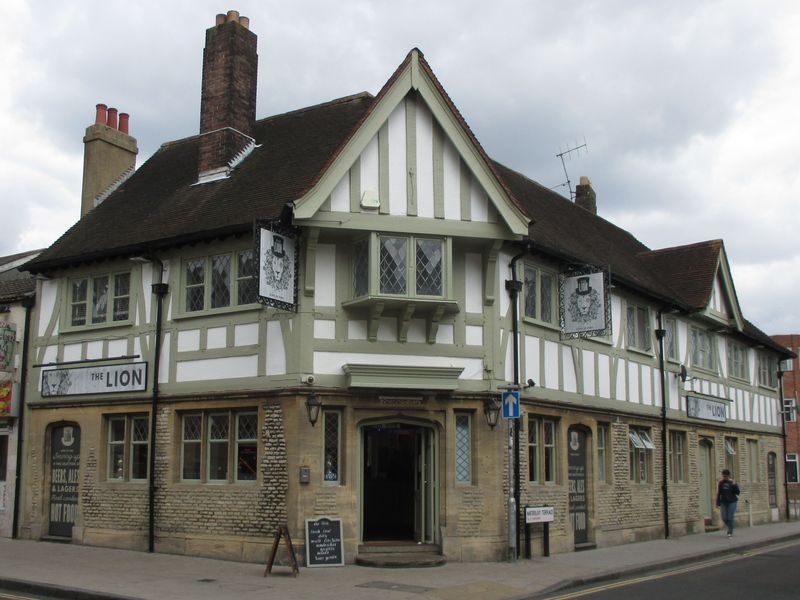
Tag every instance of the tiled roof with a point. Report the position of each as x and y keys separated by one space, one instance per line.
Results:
x=690 y=270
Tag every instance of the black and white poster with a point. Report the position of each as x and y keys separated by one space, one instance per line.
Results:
x=585 y=303
x=106 y=379
x=277 y=265
x=65 y=462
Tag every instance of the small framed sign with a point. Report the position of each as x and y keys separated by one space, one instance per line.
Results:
x=277 y=246
x=585 y=303
x=324 y=546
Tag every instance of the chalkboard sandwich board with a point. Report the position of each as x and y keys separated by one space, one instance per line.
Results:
x=324 y=542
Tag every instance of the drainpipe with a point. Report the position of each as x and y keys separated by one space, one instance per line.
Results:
x=660 y=335
x=160 y=290
x=28 y=303
x=514 y=286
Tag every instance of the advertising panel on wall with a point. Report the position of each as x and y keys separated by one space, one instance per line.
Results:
x=106 y=379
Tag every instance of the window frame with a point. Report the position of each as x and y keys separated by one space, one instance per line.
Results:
x=754 y=461
x=671 y=339
x=542 y=455
x=236 y=282
x=371 y=269
x=730 y=445
x=233 y=443
x=539 y=272
x=637 y=315
x=767 y=366
x=603 y=455
x=463 y=439
x=697 y=334
x=326 y=414
x=677 y=456
x=128 y=446
x=792 y=460
x=640 y=455
x=89 y=302
x=790 y=410
x=732 y=349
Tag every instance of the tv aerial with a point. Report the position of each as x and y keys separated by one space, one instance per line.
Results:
x=574 y=150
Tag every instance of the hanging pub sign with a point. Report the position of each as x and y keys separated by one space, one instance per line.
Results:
x=276 y=248
x=106 y=379
x=8 y=335
x=585 y=303
x=707 y=410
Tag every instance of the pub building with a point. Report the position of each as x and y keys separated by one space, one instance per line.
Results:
x=324 y=314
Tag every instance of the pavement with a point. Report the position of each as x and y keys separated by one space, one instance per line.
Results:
x=93 y=573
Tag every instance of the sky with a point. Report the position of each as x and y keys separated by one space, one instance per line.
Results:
x=688 y=109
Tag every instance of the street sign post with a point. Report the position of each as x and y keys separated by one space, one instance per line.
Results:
x=510 y=401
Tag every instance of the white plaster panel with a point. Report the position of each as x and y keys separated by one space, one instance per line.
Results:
x=340 y=196
x=588 y=372
x=325 y=276
x=762 y=410
x=276 y=351
x=550 y=365
x=424 y=180
x=163 y=366
x=356 y=330
x=755 y=415
x=604 y=375
x=473 y=283
x=479 y=202
x=398 y=175
x=683 y=341
x=189 y=341
x=331 y=363
x=621 y=393
x=217 y=368
x=117 y=347
x=507 y=349
x=47 y=306
x=370 y=167
x=503 y=274
x=245 y=334
x=568 y=363
x=474 y=335
x=137 y=346
x=452 y=182
x=722 y=352
x=94 y=349
x=387 y=329
x=746 y=405
x=216 y=337
x=73 y=351
x=633 y=382
x=445 y=334
x=325 y=329
x=647 y=385
x=674 y=392
x=532 y=359
x=417 y=331
x=147 y=292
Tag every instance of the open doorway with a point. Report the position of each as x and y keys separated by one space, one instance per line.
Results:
x=400 y=483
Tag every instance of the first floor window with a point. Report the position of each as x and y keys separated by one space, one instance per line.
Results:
x=100 y=299
x=671 y=338
x=603 y=445
x=541 y=450
x=539 y=291
x=730 y=456
x=677 y=456
x=791 y=468
x=220 y=281
x=767 y=370
x=127 y=443
x=752 y=460
x=332 y=428
x=702 y=351
x=219 y=446
x=638 y=321
x=463 y=448
x=737 y=360
x=640 y=451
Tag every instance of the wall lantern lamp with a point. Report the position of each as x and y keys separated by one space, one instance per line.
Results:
x=313 y=405
x=491 y=409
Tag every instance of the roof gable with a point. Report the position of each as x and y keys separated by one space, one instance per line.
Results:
x=412 y=85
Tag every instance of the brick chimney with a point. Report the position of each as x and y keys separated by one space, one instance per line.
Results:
x=109 y=155
x=585 y=196
x=228 y=101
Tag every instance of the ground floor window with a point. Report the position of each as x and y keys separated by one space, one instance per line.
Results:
x=677 y=456
x=640 y=454
x=332 y=427
x=219 y=446
x=464 y=448
x=791 y=468
x=127 y=445
x=730 y=456
x=603 y=455
x=752 y=457
x=541 y=450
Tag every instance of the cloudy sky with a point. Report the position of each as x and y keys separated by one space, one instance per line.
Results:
x=688 y=108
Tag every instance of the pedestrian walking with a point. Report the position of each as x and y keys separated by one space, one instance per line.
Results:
x=727 y=497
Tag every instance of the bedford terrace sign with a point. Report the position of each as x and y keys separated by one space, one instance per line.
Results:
x=107 y=379
x=707 y=410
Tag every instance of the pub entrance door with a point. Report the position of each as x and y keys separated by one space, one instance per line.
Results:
x=400 y=489
x=65 y=462
x=578 y=492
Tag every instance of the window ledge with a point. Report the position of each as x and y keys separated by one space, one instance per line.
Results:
x=433 y=309
x=216 y=311
x=96 y=326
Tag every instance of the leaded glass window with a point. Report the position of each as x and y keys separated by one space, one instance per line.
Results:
x=220 y=447
x=332 y=446
x=233 y=281
x=247 y=283
x=393 y=265
x=93 y=296
x=531 y=293
x=246 y=446
x=361 y=268
x=702 y=351
x=463 y=448
x=127 y=447
x=99 y=299
x=218 y=432
x=139 y=444
x=79 y=290
x=538 y=290
x=122 y=296
x=220 y=281
x=429 y=267
x=116 y=448
x=195 y=284
x=191 y=446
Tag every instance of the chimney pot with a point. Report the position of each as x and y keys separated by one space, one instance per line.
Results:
x=112 y=118
x=244 y=22
x=233 y=15
x=220 y=19
x=123 y=122
x=102 y=114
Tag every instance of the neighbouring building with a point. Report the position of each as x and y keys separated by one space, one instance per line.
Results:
x=790 y=372
x=314 y=314
x=17 y=297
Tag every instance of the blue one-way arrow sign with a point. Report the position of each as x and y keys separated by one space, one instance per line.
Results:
x=511 y=404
